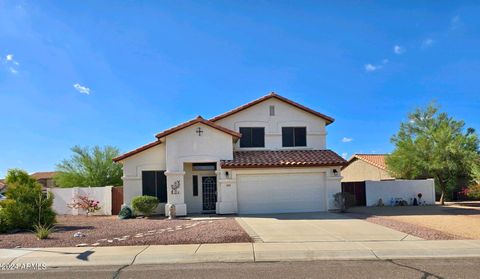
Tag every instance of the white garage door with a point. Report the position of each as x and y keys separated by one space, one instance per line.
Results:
x=281 y=193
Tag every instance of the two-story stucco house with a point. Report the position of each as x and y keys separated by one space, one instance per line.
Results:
x=267 y=156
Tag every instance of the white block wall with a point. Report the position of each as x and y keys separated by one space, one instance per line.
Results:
x=64 y=196
x=405 y=189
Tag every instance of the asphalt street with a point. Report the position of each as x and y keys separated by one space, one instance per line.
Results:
x=424 y=268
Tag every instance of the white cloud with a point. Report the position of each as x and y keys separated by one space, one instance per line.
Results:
x=11 y=64
x=398 y=49
x=82 y=89
x=372 y=68
x=12 y=70
x=428 y=42
x=345 y=139
x=344 y=155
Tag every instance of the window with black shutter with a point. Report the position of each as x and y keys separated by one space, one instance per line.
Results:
x=195 y=185
x=252 y=137
x=154 y=183
x=294 y=136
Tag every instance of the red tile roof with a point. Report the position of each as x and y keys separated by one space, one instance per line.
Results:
x=43 y=175
x=201 y=120
x=2 y=184
x=377 y=160
x=283 y=158
x=278 y=97
x=138 y=150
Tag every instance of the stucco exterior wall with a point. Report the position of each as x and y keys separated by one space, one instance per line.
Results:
x=153 y=159
x=228 y=191
x=285 y=116
x=359 y=170
x=185 y=146
x=404 y=189
x=64 y=196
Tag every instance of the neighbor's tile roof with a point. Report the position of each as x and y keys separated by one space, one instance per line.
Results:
x=377 y=160
x=43 y=175
x=283 y=158
x=2 y=184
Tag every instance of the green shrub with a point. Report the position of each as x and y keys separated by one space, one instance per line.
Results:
x=144 y=204
x=26 y=205
x=42 y=231
x=7 y=219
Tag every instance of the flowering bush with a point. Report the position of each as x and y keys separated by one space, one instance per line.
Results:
x=472 y=192
x=85 y=203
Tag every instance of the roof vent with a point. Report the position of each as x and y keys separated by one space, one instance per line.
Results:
x=272 y=110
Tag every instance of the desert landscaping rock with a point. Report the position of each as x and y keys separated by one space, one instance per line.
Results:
x=427 y=222
x=103 y=229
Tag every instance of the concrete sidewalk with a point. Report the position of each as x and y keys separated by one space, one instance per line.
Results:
x=241 y=252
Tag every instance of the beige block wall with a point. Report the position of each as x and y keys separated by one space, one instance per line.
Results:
x=359 y=170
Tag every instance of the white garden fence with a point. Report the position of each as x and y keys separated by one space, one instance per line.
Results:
x=399 y=189
x=65 y=196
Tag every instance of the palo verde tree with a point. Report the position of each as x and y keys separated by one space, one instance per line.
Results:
x=90 y=167
x=434 y=145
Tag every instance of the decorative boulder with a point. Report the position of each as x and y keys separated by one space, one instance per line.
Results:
x=125 y=213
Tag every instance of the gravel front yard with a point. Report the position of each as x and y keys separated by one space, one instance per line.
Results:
x=110 y=231
x=427 y=222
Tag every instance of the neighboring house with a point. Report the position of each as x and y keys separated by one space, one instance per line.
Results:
x=45 y=178
x=367 y=179
x=3 y=186
x=267 y=156
x=362 y=167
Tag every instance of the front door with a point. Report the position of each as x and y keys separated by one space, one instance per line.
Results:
x=209 y=189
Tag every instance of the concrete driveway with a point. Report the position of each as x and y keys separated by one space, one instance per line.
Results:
x=318 y=226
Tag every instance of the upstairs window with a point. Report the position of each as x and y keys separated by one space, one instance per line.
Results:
x=252 y=137
x=294 y=136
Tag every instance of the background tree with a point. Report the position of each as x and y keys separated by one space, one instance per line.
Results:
x=433 y=145
x=90 y=167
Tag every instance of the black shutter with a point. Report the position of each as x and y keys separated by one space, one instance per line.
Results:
x=148 y=183
x=161 y=186
x=258 y=137
x=246 y=139
x=287 y=136
x=195 y=185
x=300 y=136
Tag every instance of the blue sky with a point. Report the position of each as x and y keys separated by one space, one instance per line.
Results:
x=117 y=72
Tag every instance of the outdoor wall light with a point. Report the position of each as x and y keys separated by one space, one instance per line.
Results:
x=335 y=172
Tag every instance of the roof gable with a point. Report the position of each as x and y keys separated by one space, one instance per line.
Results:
x=377 y=160
x=175 y=129
x=197 y=120
x=328 y=119
x=136 y=151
